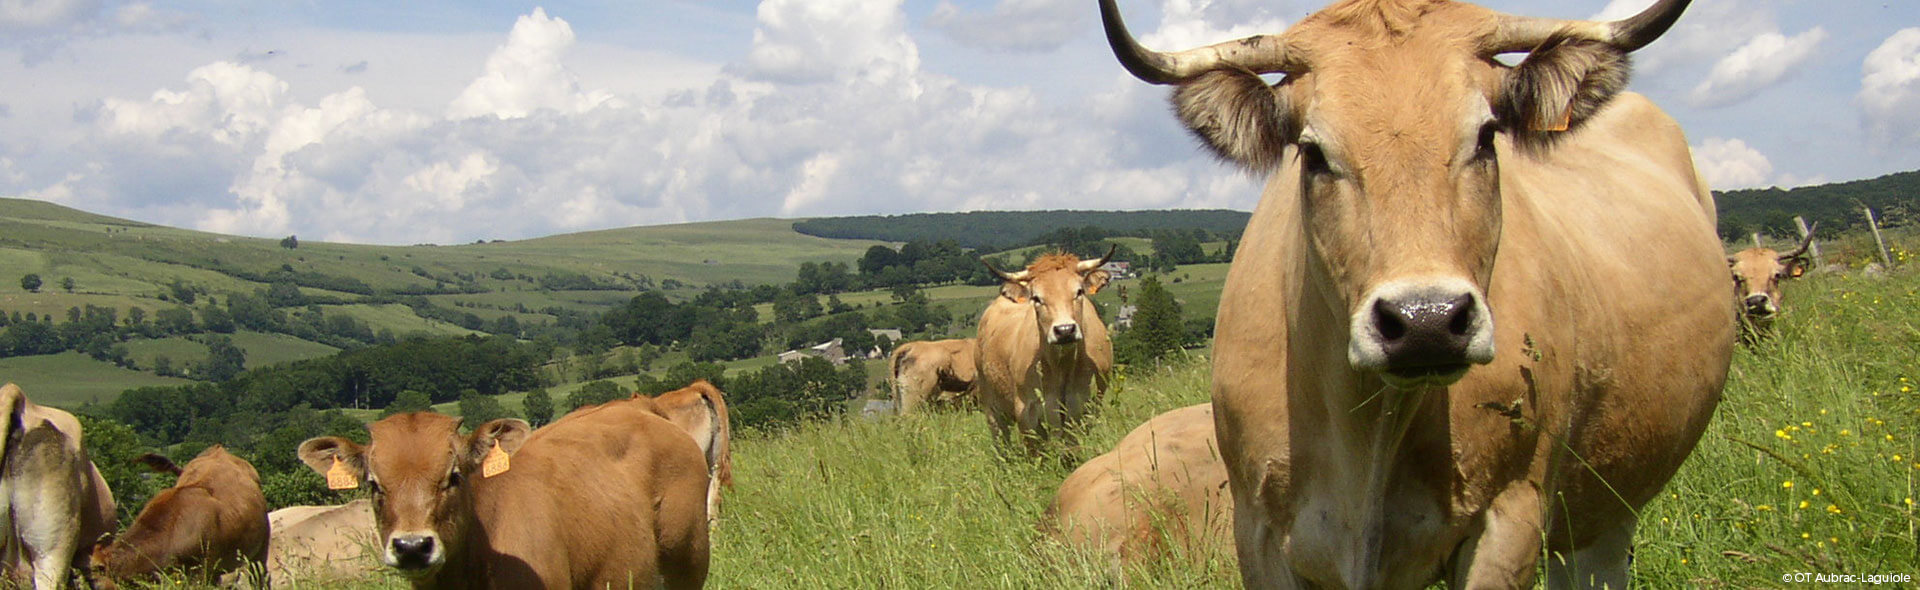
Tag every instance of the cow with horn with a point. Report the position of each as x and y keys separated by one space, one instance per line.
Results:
x=1757 y=273
x=1478 y=318
x=1043 y=357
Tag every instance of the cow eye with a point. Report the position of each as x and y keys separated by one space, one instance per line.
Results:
x=1313 y=159
x=1484 y=149
x=453 y=480
x=1082 y=292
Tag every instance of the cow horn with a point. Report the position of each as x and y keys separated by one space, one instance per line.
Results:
x=1011 y=277
x=1090 y=265
x=1805 y=243
x=1261 y=54
x=1523 y=33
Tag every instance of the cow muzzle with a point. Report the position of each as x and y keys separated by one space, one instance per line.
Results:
x=1063 y=334
x=414 y=554
x=1760 y=305
x=1421 y=334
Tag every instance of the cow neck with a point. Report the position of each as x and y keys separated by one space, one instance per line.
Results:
x=466 y=568
x=1349 y=416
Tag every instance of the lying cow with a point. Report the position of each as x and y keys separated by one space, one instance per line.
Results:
x=701 y=410
x=52 y=499
x=1044 y=355
x=1161 y=492
x=1757 y=273
x=212 y=521
x=608 y=496
x=321 y=544
x=936 y=373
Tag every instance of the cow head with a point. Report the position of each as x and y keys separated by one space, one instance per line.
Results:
x=417 y=468
x=1757 y=273
x=1388 y=125
x=1057 y=286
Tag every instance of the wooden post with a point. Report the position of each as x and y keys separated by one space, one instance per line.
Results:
x=1756 y=241
x=1885 y=259
x=1813 y=248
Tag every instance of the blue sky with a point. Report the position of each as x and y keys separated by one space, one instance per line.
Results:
x=443 y=122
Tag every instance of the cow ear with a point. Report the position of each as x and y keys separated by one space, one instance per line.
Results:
x=1238 y=116
x=1015 y=291
x=1560 y=85
x=508 y=433
x=322 y=455
x=1797 y=268
x=1096 y=281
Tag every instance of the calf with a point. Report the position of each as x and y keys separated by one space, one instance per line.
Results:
x=212 y=521
x=608 y=496
x=51 y=496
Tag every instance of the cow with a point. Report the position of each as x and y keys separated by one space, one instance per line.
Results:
x=321 y=543
x=53 y=502
x=932 y=374
x=608 y=496
x=1043 y=357
x=211 y=522
x=1478 y=318
x=1161 y=492
x=1757 y=273
x=700 y=409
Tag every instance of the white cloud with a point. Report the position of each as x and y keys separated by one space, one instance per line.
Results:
x=1013 y=25
x=1186 y=24
x=1731 y=164
x=1763 y=61
x=1890 y=89
x=45 y=14
x=526 y=74
x=821 y=40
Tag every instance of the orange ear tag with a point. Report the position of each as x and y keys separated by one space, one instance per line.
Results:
x=339 y=479
x=1566 y=117
x=495 y=463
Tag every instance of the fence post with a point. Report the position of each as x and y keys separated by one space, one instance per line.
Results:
x=1756 y=241
x=1885 y=259
x=1813 y=248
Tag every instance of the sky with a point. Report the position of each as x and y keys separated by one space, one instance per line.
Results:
x=448 y=122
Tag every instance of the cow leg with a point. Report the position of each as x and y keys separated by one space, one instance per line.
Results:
x=1507 y=549
x=1601 y=564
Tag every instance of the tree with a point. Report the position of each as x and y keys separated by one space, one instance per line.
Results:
x=289 y=242
x=1157 y=325
x=538 y=407
x=31 y=283
x=67 y=284
x=477 y=409
x=113 y=446
x=408 y=401
x=224 y=360
x=595 y=393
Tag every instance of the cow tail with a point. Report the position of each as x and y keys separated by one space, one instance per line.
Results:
x=722 y=435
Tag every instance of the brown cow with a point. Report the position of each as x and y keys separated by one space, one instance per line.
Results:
x=212 y=521
x=1161 y=492
x=1427 y=206
x=53 y=503
x=1043 y=353
x=701 y=410
x=608 y=496
x=321 y=543
x=1757 y=273
x=925 y=373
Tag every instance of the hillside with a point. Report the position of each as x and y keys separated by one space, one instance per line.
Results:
x=1894 y=199
x=996 y=229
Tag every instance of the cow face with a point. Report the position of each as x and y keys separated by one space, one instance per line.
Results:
x=1388 y=128
x=1057 y=286
x=418 y=469
x=1757 y=273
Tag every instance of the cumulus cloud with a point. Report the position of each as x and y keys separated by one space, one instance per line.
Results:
x=801 y=41
x=1012 y=25
x=526 y=74
x=1763 y=61
x=1890 y=89
x=1192 y=23
x=1731 y=164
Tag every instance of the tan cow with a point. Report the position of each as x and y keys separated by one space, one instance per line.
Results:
x=608 y=496
x=1160 y=493
x=319 y=544
x=1043 y=354
x=932 y=373
x=212 y=521
x=53 y=503
x=1479 y=316
x=1757 y=273
x=701 y=410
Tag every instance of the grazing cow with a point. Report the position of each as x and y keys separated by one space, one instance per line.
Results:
x=1757 y=273
x=607 y=496
x=1427 y=206
x=318 y=544
x=1044 y=355
x=53 y=503
x=701 y=410
x=212 y=521
x=925 y=372
x=1161 y=492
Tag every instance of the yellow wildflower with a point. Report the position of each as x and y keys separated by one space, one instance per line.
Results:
x=1804 y=504
x=1769 y=507
x=1816 y=491
x=1833 y=509
x=1787 y=484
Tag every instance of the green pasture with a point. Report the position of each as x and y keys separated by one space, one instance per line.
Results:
x=70 y=379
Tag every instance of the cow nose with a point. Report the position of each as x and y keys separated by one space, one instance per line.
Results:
x=1066 y=333
x=412 y=551
x=1425 y=332
x=1757 y=302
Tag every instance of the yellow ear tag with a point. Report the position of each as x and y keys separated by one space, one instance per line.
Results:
x=339 y=479
x=495 y=463
x=1566 y=117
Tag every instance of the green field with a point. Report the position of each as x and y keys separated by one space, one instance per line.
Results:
x=69 y=379
x=262 y=349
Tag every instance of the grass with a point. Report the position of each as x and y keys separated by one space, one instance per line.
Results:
x=70 y=379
